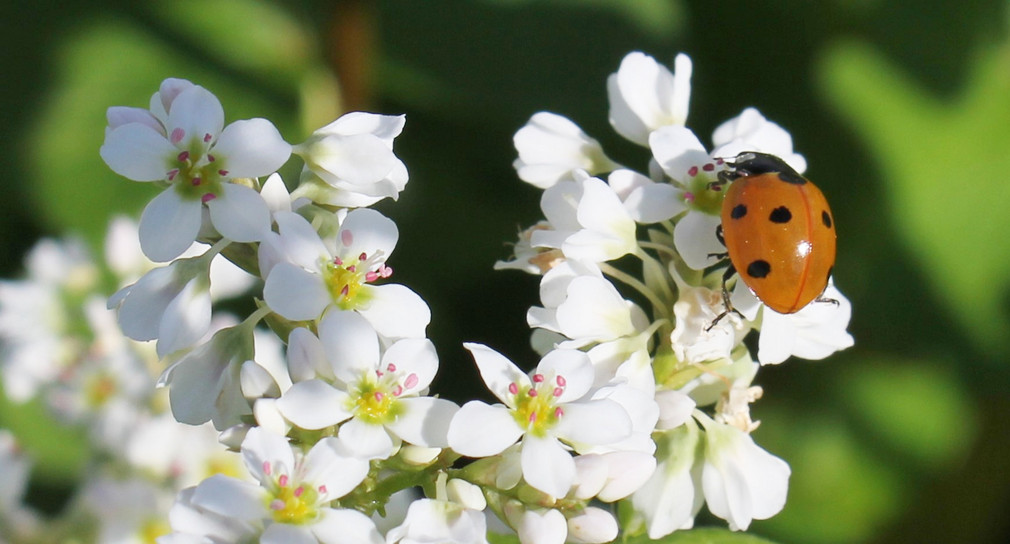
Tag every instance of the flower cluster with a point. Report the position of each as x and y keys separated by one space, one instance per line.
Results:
x=319 y=396
x=654 y=233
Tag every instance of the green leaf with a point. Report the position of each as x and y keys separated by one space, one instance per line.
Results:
x=945 y=163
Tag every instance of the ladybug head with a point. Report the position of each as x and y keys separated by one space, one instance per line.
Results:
x=754 y=163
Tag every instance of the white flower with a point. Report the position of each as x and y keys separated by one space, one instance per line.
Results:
x=313 y=276
x=645 y=95
x=612 y=476
x=171 y=304
x=750 y=131
x=431 y=521
x=291 y=502
x=350 y=162
x=694 y=339
x=741 y=481
x=589 y=222
x=816 y=331
x=551 y=148
x=646 y=200
x=542 y=527
x=529 y=259
x=592 y=525
x=378 y=401
x=670 y=499
x=546 y=408
x=182 y=142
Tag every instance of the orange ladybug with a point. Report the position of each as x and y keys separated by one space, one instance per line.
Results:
x=778 y=231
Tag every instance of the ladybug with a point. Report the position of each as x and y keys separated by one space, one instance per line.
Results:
x=778 y=231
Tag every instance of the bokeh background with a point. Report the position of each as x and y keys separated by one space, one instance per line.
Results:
x=902 y=108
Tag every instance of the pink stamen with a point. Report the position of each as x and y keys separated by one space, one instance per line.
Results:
x=371 y=276
x=363 y=256
x=177 y=135
x=267 y=469
x=391 y=367
x=379 y=396
x=337 y=261
x=692 y=171
x=397 y=391
x=560 y=380
x=719 y=161
x=277 y=504
x=411 y=381
x=352 y=268
x=210 y=158
x=196 y=182
x=183 y=156
x=172 y=173
x=222 y=172
x=708 y=167
x=345 y=290
x=322 y=490
x=716 y=187
x=283 y=480
x=537 y=378
x=558 y=412
x=689 y=197
x=299 y=491
x=207 y=197
x=346 y=237
x=558 y=391
x=379 y=373
x=533 y=417
x=513 y=388
x=207 y=137
x=533 y=392
x=385 y=271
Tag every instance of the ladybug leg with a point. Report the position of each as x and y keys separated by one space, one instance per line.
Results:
x=724 y=254
x=725 y=299
x=822 y=298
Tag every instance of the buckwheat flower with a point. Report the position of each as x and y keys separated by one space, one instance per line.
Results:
x=40 y=325
x=645 y=96
x=592 y=525
x=646 y=200
x=170 y=304
x=816 y=331
x=551 y=148
x=542 y=527
x=291 y=503
x=588 y=220
x=751 y=131
x=694 y=339
x=376 y=396
x=529 y=259
x=350 y=162
x=672 y=497
x=611 y=476
x=316 y=275
x=741 y=481
x=182 y=144
x=443 y=520
x=549 y=410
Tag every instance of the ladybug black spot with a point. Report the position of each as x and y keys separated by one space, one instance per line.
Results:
x=780 y=215
x=826 y=218
x=759 y=269
x=738 y=211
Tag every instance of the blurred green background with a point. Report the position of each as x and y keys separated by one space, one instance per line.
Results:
x=901 y=107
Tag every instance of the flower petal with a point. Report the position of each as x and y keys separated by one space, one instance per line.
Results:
x=251 y=148
x=547 y=466
x=365 y=440
x=350 y=344
x=314 y=404
x=396 y=311
x=137 y=151
x=480 y=430
x=168 y=225
x=424 y=421
x=295 y=293
x=194 y=118
x=239 y=213
x=694 y=236
x=497 y=371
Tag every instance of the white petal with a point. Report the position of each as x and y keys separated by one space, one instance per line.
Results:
x=677 y=149
x=327 y=464
x=574 y=366
x=365 y=440
x=346 y=526
x=282 y=533
x=306 y=357
x=186 y=318
x=548 y=527
x=694 y=236
x=384 y=127
x=350 y=344
x=497 y=371
x=314 y=405
x=591 y=423
x=295 y=293
x=168 y=225
x=261 y=448
x=276 y=195
x=251 y=148
x=198 y=113
x=424 y=421
x=138 y=152
x=479 y=430
x=365 y=230
x=239 y=213
x=142 y=309
x=547 y=466
x=231 y=497
x=396 y=311
x=414 y=356
x=299 y=242
x=654 y=203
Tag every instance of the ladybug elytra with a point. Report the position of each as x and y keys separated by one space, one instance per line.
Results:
x=778 y=231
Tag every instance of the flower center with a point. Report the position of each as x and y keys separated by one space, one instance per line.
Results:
x=700 y=194
x=345 y=278
x=375 y=398
x=196 y=174
x=535 y=408
x=294 y=505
